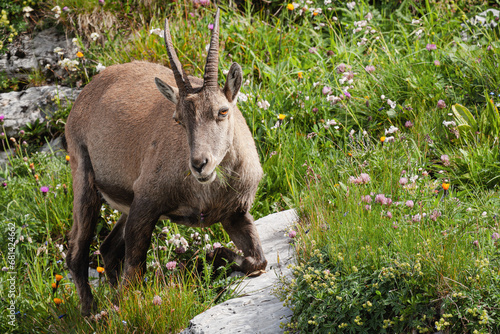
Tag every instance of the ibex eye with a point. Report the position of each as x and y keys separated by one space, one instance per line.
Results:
x=223 y=111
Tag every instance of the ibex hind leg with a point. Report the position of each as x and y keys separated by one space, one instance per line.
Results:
x=243 y=233
x=86 y=207
x=113 y=251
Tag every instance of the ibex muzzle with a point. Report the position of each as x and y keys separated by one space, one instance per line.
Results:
x=156 y=143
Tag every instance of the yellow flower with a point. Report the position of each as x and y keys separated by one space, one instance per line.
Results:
x=79 y=54
x=445 y=186
x=100 y=270
x=315 y=13
x=54 y=285
x=58 y=301
x=67 y=158
x=382 y=139
x=300 y=75
x=281 y=117
x=290 y=6
x=58 y=278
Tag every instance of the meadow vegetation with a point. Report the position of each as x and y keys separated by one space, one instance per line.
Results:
x=378 y=121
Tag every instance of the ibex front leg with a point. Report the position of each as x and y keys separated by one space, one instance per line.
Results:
x=139 y=227
x=243 y=233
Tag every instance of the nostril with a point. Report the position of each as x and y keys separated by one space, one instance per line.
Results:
x=198 y=165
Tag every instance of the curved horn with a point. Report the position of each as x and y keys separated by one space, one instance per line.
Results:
x=212 y=65
x=180 y=76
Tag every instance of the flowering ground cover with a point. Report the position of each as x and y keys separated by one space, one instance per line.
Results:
x=379 y=123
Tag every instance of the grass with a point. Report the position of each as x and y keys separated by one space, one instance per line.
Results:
x=319 y=99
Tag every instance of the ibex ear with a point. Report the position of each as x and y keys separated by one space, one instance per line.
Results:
x=233 y=82
x=170 y=93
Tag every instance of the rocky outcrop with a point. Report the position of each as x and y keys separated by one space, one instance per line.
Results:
x=20 y=108
x=257 y=310
x=25 y=55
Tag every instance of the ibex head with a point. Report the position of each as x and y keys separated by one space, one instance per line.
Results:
x=205 y=112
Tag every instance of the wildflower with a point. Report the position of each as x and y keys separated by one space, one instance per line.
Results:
x=263 y=104
x=370 y=68
x=59 y=51
x=341 y=68
x=380 y=198
x=300 y=75
x=57 y=301
x=58 y=278
x=382 y=139
x=67 y=158
x=290 y=6
x=365 y=178
x=217 y=245
x=65 y=9
x=281 y=117
x=441 y=104
x=100 y=67
x=292 y=234
x=350 y=5
x=44 y=190
x=435 y=215
x=417 y=218
x=54 y=287
x=391 y=103
x=447 y=124
x=391 y=130
x=101 y=2
x=2 y=117
x=484 y=214
x=389 y=215
x=100 y=270
x=445 y=159
x=57 y=11
x=347 y=94
x=430 y=47
x=408 y=124
x=313 y=50
x=495 y=236
x=94 y=36
x=157 y=300
x=476 y=243
x=326 y=90
x=79 y=54
x=410 y=204
x=368 y=207
x=171 y=265
x=330 y=53
x=366 y=199
x=437 y=63
x=403 y=181
x=27 y=10
x=204 y=2
x=211 y=26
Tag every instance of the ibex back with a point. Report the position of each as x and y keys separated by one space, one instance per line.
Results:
x=156 y=143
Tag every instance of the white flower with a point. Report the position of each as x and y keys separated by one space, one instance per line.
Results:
x=391 y=130
x=332 y=98
x=389 y=139
x=330 y=123
x=382 y=97
x=369 y=16
x=94 y=36
x=327 y=2
x=419 y=32
x=27 y=10
x=242 y=97
x=360 y=24
x=484 y=214
x=415 y=21
x=156 y=31
x=362 y=42
x=263 y=104
x=70 y=64
x=447 y=124
x=413 y=178
x=57 y=10
x=59 y=51
x=350 y=5
x=100 y=67
x=225 y=72
x=393 y=104
x=75 y=41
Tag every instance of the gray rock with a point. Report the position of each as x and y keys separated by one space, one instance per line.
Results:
x=257 y=310
x=55 y=146
x=26 y=54
x=20 y=108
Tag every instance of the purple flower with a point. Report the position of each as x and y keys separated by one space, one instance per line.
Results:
x=430 y=47
x=191 y=14
x=489 y=48
x=1 y=118
x=366 y=199
x=101 y=2
x=445 y=159
x=312 y=50
x=408 y=124
x=4 y=184
x=495 y=236
x=211 y=26
x=315 y=110
x=389 y=215
x=368 y=207
x=403 y=181
x=370 y=68
x=441 y=104
x=204 y=2
x=437 y=62
x=326 y=90
x=365 y=178
x=347 y=94
x=44 y=190
x=157 y=300
x=171 y=265
x=476 y=243
x=341 y=68
x=292 y=234
x=417 y=218
x=410 y=204
x=65 y=9
x=380 y=198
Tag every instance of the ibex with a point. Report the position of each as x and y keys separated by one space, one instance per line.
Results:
x=152 y=141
